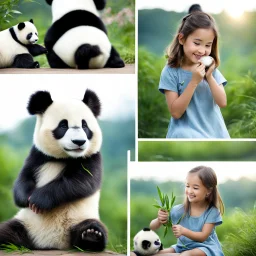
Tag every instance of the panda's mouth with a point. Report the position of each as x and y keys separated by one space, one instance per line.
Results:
x=74 y=150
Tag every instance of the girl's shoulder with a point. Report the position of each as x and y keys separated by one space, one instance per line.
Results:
x=178 y=209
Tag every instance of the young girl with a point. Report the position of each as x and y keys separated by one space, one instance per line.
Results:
x=193 y=93
x=199 y=214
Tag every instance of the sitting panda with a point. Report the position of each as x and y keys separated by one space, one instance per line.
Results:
x=59 y=184
x=147 y=242
x=18 y=44
x=78 y=38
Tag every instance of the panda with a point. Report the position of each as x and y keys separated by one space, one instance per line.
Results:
x=147 y=242
x=78 y=38
x=18 y=44
x=58 y=187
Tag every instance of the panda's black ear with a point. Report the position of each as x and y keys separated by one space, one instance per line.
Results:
x=100 y=4
x=92 y=101
x=49 y=2
x=146 y=229
x=21 y=25
x=39 y=102
x=31 y=20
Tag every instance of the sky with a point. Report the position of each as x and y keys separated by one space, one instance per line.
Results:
x=117 y=95
x=177 y=171
x=233 y=8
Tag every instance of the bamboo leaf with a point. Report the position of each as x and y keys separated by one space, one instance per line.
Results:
x=157 y=206
x=165 y=230
x=160 y=195
x=179 y=220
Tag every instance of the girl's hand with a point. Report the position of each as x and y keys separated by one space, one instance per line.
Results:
x=210 y=69
x=162 y=216
x=177 y=230
x=198 y=73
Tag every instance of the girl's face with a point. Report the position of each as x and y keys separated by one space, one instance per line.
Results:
x=195 y=191
x=198 y=44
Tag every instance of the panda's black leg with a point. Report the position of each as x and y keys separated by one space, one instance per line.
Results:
x=114 y=60
x=55 y=61
x=89 y=235
x=24 y=60
x=14 y=232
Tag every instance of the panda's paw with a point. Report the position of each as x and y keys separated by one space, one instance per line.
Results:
x=91 y=235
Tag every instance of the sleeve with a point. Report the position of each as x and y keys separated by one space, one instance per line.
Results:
x=168 y=80
x=214 y=217
x=220 y=79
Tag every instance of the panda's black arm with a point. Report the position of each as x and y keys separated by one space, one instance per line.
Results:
x=75 y=183
x=36 y=49
x=25 y=183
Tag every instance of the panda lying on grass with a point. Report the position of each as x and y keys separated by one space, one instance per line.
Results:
x=59 y=184
x=18 y=46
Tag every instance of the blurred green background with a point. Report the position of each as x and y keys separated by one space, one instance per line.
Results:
x=16 y=142
x=237 y=234
x=118 y=17
x=237 y=44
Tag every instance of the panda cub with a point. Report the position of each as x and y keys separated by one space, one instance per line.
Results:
x=58 y=187
x=18 y=44
x=78 y=38
x=147 y=242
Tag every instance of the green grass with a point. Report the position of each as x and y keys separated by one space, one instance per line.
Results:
x=242 y=241
x=10 y=248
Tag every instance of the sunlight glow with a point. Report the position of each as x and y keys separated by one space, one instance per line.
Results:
x=235 y=11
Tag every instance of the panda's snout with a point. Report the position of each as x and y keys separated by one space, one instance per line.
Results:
x=79 y=142
x=157 y=243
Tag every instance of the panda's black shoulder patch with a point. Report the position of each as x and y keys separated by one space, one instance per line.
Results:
x=71 y=20
x=146 y=229
x=93 y=102
x=39 y=102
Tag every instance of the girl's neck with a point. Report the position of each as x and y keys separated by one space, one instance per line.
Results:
x=196 y=209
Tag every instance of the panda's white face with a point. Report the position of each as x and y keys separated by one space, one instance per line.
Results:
x=26 y=32
x=147 y=242
x=67 y=129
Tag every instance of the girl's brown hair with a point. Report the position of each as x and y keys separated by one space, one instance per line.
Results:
x=209 y=180
x=189 y=24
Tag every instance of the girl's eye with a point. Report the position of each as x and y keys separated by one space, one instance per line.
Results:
x=208 y=46
x=196 y=43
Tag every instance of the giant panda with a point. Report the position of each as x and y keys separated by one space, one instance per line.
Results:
x=18 y=44
x=146 y=242
x=78 y=38
x=58 y=187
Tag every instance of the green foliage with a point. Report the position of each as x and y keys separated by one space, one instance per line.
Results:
x=197 y=151
x=10 y=248
x=241 y=240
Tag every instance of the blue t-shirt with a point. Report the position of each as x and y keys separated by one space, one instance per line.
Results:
x=211 y=246
x=202 y=118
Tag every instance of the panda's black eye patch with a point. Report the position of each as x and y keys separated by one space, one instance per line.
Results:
x=86 y=129
x=29 y=36
x=61 y=129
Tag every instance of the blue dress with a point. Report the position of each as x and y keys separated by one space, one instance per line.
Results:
x=202 y=118
x=211 y=246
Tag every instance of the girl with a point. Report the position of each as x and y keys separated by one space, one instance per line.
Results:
x=194 y=94
x=199 y=214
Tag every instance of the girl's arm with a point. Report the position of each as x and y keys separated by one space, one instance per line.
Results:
x=218 y=91
x=179 y=230
x=162 y=218
x=177 y=105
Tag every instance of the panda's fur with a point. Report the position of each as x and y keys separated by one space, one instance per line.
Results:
x=78 y=38
x=59 y=184
x=146 y=242
x=18 y=46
